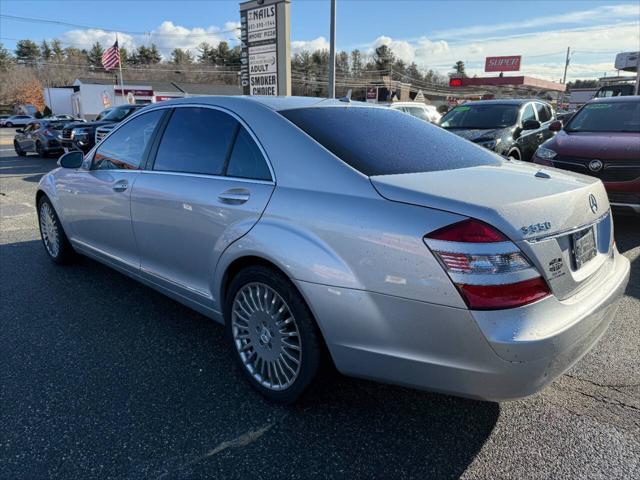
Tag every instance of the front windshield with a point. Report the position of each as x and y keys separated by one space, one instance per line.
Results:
x=118 y=114
x=418 y=112
x=481 y=116
x=56 y=125
x=606 y=117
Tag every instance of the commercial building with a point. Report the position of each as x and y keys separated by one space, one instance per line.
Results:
x=87 y=97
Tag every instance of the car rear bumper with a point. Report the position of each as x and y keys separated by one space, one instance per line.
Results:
x=493 y=355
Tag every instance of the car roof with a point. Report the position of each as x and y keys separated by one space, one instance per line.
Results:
x=505 y=101
x=272 y=103
x=619 y=99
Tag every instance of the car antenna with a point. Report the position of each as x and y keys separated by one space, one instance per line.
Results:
x=346 y=98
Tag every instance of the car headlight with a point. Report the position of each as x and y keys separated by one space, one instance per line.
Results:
x=490 y=144
x=79 y=132
x=545 y=153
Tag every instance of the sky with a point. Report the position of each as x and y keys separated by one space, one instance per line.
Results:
x=434 y=34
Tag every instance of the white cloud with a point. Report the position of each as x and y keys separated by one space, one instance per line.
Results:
x=319 y=43
x=602 y=14
x=543 y=53
x=166 y=36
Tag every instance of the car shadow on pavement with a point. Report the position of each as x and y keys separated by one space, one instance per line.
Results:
x=627 y=235
x=104 y=377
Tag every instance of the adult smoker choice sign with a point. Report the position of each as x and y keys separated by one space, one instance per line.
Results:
x=259 y=69
x=502 y=64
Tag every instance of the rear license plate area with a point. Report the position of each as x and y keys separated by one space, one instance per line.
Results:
x=583 y=246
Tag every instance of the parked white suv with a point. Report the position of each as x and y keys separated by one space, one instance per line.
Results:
x=419 y=110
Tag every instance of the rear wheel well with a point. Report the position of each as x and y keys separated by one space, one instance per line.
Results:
x=241 y=263
x=250 y=261
x=514 y=153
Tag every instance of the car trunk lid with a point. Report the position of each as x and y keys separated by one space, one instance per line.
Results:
x=544 y=211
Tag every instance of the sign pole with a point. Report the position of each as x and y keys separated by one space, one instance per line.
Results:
x=124 y=100
x=332 y=52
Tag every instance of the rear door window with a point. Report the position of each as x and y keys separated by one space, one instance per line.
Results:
x=196 y=140
x=246 y=159
x=382 y=141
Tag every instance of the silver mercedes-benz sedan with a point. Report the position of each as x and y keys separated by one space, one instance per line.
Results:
x=325 y=230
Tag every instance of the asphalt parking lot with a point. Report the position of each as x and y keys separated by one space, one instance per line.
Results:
x=101 y=377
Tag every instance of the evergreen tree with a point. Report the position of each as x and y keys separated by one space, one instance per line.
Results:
x=27 y=51
x=46 y=51
x=383 y=59
x=206 y=53
x=459 y=69
x=6 y=58
x=222 y=53
x=95 y=55
x=181 y=57
x=342 y=64
x=57 y=51
x=356 y=63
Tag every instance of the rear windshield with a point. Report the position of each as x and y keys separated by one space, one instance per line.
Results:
x=481 y=116
x=606 y=117
x=118 y=114
x=381 y=141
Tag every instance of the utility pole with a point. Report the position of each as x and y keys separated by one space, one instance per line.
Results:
x=566 y=65
x=332 y=52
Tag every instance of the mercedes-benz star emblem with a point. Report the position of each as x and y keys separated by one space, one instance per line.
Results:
x=595 y=165
x=593 y=204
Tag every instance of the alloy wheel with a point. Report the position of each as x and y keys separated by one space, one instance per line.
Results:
x=266 y=336
x=49 y=230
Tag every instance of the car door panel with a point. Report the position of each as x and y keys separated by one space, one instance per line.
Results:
x=528 y=139
x=185 y=210
x=97 y=212
x=97 y=198
x=183 y=223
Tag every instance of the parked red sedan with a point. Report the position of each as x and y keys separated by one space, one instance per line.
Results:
x=602 y=140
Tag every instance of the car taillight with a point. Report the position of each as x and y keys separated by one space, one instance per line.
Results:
x=488 y=269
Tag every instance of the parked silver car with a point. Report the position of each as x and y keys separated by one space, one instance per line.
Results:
x=321 y=229
x=16 y=121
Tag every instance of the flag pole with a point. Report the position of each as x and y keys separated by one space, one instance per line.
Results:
x=124 y=100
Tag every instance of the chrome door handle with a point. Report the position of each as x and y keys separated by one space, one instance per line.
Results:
x=120 y=186
x=234 y=196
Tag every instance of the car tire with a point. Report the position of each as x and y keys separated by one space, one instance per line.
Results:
x=55 y=241
x=39 y=150
x=514 y=154
x=19 y=151
x=272 y=333
x=8 y=125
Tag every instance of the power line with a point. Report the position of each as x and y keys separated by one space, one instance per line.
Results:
x=113 y=30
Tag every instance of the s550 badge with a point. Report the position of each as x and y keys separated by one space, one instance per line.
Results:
x=536 y=228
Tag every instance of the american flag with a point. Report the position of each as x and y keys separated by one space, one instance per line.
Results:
x=111 y=57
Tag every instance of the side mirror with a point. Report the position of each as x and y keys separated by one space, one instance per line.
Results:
x=531 y=125
x=555 y=126
x=20 y=130
x=72 y=159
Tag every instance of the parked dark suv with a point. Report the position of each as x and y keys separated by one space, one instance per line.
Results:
x=513 y=128
x=81 y=135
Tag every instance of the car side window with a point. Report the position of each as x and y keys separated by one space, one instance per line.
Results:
x=544 y=115
x=196 y=140
x=125 y=149
x=528 y=113
x=246 y=159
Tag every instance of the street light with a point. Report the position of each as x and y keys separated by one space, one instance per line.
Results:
x=332 y=52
